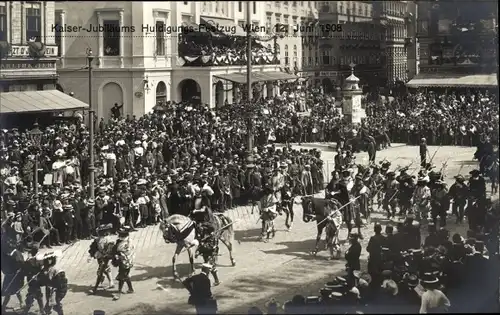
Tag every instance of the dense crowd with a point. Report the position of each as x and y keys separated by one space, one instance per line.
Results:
x=223 y=52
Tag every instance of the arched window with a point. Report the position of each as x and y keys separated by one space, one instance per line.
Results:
x=286 y=55
x=326 y=56
x=161 y=93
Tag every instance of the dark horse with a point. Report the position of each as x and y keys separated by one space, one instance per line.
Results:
x=327 y=215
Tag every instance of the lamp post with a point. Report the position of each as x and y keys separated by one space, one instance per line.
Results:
x=36 y=139
x=90 y=58
x=249 y=84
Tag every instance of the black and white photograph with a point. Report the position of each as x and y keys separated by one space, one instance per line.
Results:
x=249 y=157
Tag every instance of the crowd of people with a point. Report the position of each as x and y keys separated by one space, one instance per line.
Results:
x=223 y=52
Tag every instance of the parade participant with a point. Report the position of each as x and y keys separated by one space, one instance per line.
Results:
x=123 y=255
x=372 y=150
x=200 y=293
x=421 y=199
x=56 y=283
x=268 y=213
x=124 y=200
x=406 y=189
x=391 y=189
x=439 y=203
x=254 y=184
x=433 y=299
x=100 y=249
x=377 y=180
x=423 y=152
x=458 y=194
x=477 y=186
x=361 y=205
x=208 y=247
x=33 y=270
x=352 y=257
x=374 y=249
x=339 y=160
x=13 y=279
x=307 y=181
x=342 y=194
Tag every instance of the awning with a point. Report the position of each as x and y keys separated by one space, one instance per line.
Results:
x=434 y=80
x=38 y=101
x=223 y=26
x=257 y=77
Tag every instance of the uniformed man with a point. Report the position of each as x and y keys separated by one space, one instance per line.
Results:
x=391 y=190
x=458 y=196
x=123 y=256
x=374 y=249
x=100 y=249
x=439 y=203
x=423 y=152
x=200 y=292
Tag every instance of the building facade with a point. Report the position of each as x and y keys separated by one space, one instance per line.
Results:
x=373 y=35
x=457 y=37
x=138 y=65
x=28 y=52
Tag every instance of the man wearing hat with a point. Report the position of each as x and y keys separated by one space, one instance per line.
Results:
x=352 y=257
x=100 y=249
x=200 y=293
x=361 y=205
x=439 y=203
x=13 y=278
x=458 y=194
x=56 y=283
x=423 y=152
x=88 y=218
x=477 y=186
x=33 y=267
x=123 y=258
x=421 y=199
x=391 y=190
x=433 y=299
x=51 y=234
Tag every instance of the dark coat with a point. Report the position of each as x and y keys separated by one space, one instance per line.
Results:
x=200 y=289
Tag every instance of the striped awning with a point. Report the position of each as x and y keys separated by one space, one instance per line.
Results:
x=435 y=80
x=38 y=101
x=257 y=77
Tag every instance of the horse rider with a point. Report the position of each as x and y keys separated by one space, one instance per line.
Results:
x=422 y=198
x=100 y=249
x=391 y=190
x=362 y=193
x=123 y=259
x=208 y=246
x=56 y=283
x=458 y=194
x=439 y=203
x=33 y=267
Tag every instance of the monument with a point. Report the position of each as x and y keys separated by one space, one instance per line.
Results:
x=351 y=99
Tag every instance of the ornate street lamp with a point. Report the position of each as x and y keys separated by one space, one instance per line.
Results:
x=90 y=58
x=36 y=139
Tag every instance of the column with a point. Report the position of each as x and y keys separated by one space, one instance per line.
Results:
x=122 y=40
x=23 y=24
x=9 y=21
x=62 y=16
x=43 y=13
x=100 y=43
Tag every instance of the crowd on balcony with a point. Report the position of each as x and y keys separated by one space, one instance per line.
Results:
x=204 y=50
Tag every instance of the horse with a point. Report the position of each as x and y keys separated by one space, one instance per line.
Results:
x=327 y=215
x=180 y=229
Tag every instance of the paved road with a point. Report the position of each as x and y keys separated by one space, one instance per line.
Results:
x=263 y=270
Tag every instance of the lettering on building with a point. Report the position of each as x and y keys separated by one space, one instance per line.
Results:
x=25 y=65
x=23 y=51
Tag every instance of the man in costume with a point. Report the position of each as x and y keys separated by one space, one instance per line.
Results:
x=361 y=205
x=421 y=199
x=13 y=279
x=100 y=249
x=458 y=196
x=439 y=203
x=391 y=190
x=33 y=269
x=208 y=247
x=56 y=283
x=123 y=259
